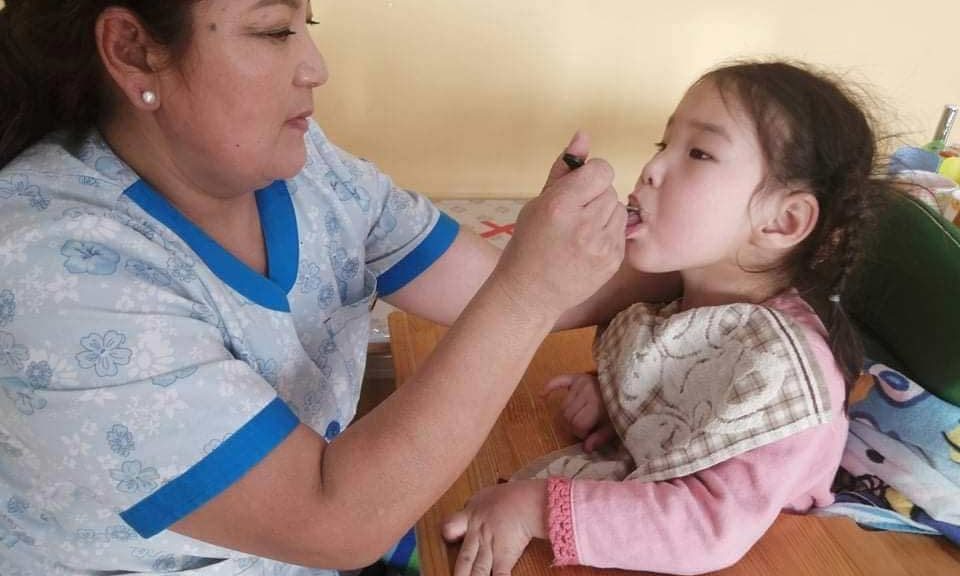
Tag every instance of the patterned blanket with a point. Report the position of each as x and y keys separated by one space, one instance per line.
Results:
x=901 y=465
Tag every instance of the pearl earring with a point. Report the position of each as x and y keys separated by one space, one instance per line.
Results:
x=148 y=97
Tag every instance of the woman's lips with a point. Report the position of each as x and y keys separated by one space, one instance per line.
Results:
x=298 y=123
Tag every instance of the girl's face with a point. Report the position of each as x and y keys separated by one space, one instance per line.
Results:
x=695 y=192
x=238 y=103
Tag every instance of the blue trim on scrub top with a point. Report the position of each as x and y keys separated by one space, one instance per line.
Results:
x=279 y=223
x=215 y=473
x=426 y=253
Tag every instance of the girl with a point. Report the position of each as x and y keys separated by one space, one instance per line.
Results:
x=727 y=406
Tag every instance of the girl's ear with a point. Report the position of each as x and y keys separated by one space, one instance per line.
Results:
x=791 y=220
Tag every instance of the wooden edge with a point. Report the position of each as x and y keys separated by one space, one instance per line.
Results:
x=403 y=362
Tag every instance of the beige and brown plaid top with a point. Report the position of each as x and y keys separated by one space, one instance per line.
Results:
x=687 y=390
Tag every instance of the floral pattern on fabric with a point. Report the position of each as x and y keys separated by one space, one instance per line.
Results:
x=132 y=347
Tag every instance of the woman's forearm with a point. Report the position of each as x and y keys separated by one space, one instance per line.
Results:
x=341 y=504
x=390 y=466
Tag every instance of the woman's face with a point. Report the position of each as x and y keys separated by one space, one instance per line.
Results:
x=236 y=105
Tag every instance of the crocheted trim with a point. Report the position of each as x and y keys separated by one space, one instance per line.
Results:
x=560 y=520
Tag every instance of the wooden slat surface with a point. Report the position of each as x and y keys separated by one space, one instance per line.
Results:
x=530 y=426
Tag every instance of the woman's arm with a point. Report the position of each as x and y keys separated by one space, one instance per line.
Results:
x=628 y=286
x=340 y=505
x=442 y=291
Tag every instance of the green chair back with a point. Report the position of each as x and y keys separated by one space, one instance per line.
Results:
x=906 y=299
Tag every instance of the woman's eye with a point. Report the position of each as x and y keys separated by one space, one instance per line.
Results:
x=660 y=146
x=698 y=154
x=312 y=22
x=280 y=34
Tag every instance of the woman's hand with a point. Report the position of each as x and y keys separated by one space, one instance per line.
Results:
x=568 y=241
x=583 y=409
x=496 y=525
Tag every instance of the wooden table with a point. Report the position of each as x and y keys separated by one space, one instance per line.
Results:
x=530 y=426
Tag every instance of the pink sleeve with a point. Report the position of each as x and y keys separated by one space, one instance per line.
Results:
x=699 y=523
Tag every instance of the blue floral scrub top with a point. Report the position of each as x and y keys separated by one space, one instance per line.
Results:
x=143 y=369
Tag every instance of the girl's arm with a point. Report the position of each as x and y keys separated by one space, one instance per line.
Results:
x=698 y=523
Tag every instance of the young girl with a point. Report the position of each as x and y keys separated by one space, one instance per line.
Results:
x=720 y=410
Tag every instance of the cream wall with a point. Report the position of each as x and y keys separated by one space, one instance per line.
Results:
x=476 y=98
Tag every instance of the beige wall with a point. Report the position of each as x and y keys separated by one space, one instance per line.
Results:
x=475 y=98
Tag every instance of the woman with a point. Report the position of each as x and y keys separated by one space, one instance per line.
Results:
x=186 y=267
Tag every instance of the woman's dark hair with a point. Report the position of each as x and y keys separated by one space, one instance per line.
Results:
x=50 y=68
x=816 y=134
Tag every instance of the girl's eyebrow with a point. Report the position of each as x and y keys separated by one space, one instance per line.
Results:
x=705 y=127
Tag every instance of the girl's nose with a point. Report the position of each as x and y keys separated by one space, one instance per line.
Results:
x=652 y=174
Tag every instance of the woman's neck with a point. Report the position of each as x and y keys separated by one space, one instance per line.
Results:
x=203 y=197
x=232 y=219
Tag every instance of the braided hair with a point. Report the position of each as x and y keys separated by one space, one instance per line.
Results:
x=812 y=130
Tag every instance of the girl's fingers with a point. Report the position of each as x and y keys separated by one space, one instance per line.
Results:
x=584 y=420
x=600 y=438
x=506 y=558
x=571 y=407
x=456 y=526
x=559 y=382
x=484 y=561
x=468 y=553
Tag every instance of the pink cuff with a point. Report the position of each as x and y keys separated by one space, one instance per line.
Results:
x=560 y=520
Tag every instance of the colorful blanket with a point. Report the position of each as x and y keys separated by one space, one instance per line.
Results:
x=901 y=466
x=403 y=559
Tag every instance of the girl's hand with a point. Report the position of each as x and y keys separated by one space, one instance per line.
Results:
x=583 y=409
x=496 y=525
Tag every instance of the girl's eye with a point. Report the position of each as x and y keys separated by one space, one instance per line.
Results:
x=660 y=146
x=698 y=154
x=311 y=22
x=281 y=35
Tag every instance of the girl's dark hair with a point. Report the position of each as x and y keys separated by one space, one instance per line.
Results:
x=815 y=134
x=50 y=68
